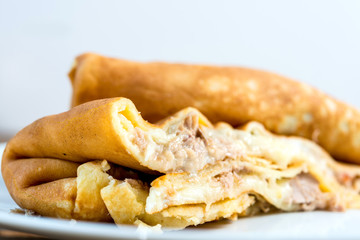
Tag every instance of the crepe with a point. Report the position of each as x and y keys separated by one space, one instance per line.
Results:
x=101 y=161
x=230 y=94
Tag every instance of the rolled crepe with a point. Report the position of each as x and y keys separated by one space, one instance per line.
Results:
x=101 y=161
x=231 y=94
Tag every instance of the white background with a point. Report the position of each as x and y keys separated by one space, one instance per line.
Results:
x=317 y=42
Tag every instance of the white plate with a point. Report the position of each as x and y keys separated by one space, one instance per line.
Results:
x=302 y=225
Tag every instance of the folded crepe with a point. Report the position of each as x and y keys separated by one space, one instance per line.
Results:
x=230 y=94
x=101 y=161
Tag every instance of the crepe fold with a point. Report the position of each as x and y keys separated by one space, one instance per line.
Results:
x=231 y=94
x=101 y=161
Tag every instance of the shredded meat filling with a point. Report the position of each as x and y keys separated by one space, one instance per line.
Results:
x=190 y=149
x=306 y=193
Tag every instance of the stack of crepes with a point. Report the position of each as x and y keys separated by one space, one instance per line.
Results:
x=208 y=143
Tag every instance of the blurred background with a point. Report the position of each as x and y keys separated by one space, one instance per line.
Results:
x=317 y=42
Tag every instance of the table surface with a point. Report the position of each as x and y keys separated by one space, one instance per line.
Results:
x=9 y=234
